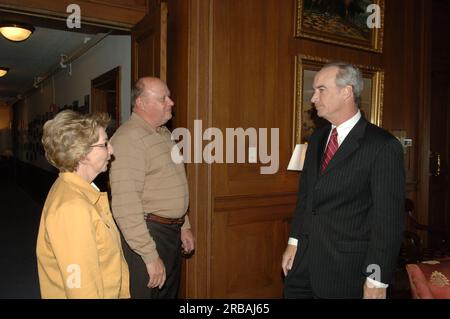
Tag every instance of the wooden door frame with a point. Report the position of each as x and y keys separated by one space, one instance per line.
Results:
x=424 y=112
x=106 y=77
x=140 y=31
x=199 y=98
x=94 y=13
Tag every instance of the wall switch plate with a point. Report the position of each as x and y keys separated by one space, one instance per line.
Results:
x=252 y=155
x=407 y=142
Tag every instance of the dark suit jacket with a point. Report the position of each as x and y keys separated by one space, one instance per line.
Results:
x=352 y=215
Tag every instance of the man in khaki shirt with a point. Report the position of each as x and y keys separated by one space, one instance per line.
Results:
x=150 y=194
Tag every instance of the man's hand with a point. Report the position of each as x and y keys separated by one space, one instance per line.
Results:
x=187 y=241
x=372 y=292
x=288 y=258
x=157 y=272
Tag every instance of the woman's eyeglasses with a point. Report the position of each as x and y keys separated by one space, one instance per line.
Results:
x=105 y=145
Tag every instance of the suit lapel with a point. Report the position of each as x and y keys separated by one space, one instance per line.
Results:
x=350 y=145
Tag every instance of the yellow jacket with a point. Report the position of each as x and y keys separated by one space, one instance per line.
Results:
x=78 y=247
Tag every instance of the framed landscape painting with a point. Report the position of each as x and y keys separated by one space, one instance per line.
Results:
x=353 y=23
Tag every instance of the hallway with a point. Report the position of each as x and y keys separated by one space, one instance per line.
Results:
x=19 y=221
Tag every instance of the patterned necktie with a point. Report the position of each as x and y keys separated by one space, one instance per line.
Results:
x=331 y=149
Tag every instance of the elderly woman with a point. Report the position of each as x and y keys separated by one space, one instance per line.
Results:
x=78 y=247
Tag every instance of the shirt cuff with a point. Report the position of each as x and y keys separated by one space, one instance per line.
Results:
x=186 y=224
x=377 y=284
x=293 y=241
x=150 y=257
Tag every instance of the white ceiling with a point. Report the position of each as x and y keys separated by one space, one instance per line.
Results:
x=33 y=57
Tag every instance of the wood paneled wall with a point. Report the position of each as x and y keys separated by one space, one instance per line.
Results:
x=401 y=61
x=252 y=87
x=236 y=63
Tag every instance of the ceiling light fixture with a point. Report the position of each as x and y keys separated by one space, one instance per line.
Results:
x=3 y=71
x=16 y=32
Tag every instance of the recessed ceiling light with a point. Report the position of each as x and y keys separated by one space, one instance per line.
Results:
x=3 y=71
x=16 y=32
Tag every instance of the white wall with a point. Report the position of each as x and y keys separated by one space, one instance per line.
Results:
x=111 y=52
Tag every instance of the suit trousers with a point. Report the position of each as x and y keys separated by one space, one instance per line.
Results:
x=168 y=245
x=297 y=283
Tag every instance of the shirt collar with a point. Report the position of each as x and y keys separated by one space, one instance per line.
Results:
x=147 y=127
x=349 y=123
x=91 y=191
x=344 y=129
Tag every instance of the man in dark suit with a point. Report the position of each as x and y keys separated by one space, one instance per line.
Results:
x=347 y=226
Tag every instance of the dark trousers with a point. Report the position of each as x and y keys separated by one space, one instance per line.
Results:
x=297 y=284
x=168 y=245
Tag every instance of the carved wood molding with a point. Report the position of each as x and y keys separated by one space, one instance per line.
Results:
x=231 y=203
x=199 y=106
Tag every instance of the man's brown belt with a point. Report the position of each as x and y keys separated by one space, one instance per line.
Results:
x=165 y=220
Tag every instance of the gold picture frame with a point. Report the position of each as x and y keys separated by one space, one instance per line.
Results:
x=305 y=117
x=341 y=22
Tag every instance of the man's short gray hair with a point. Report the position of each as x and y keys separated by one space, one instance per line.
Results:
x=349 y=75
